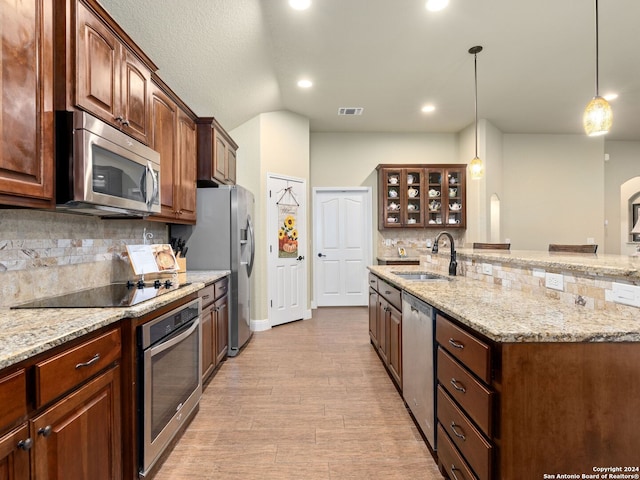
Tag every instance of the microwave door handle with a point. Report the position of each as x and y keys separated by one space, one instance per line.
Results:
x=154 y=186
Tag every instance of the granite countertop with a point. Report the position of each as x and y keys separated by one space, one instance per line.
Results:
x=588 y=264
x=25 y=333
x=514 y=316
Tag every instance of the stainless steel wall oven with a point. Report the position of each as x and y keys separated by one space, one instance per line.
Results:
x=169 y=383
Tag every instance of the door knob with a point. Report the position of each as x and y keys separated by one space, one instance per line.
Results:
x=320 y=255
x=301 y=257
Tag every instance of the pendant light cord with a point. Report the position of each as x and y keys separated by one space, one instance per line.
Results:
x=475 y=68
x=597 y=55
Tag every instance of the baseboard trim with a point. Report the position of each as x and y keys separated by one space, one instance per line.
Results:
x=260 y=325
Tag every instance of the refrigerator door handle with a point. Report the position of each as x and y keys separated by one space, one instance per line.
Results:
x=251 y=246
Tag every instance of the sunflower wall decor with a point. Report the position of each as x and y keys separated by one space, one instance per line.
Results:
x=287 y=233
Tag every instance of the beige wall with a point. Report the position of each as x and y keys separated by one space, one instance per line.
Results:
x=350 y=160
x=275 y=142
x=553 y=190
x=623 y=165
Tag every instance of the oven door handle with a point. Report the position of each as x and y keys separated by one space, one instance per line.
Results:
x=172 y=341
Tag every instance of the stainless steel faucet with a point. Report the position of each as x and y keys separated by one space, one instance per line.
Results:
x=453 y=264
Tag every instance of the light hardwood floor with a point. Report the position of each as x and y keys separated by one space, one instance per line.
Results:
x=306 y=400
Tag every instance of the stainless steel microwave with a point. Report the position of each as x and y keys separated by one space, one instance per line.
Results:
x=103 y=171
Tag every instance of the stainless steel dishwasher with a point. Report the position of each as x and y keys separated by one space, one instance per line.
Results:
x=418 y=360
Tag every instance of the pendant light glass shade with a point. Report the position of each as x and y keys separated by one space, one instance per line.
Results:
x=597 y=117
x=476 y=168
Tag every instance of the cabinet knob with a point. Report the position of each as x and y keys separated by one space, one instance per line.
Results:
x=45 y=431
x=25 y=444
x=125 y=122
x=119 y=119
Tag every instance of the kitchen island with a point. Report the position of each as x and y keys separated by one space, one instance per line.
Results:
x=562 y=386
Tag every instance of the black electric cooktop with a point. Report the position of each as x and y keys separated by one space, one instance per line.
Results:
x=112 y=295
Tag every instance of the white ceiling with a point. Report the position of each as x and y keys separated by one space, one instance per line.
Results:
x=234 y=59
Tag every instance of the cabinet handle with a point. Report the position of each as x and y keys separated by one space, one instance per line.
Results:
x=125 y=123
x=25 y=444
x=387 y=292
x=455 y=432
x=414 y=309
x=204 y=297
x=453 y=472
x=456 y=344
x=45 y=431
x=458 y=386
x=88 y=363
x=119 y=119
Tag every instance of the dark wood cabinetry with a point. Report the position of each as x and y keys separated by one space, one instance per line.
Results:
x=105 y=73
x=216 y=154
x=385 y=325
x=215 y=325
x=417 y=196
x=15 y=450
x=79 y=437
x=465 y=401
x=26 y=100
x=173 y=135
x=61 y=413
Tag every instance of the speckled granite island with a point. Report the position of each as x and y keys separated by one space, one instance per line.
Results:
x=562 y=385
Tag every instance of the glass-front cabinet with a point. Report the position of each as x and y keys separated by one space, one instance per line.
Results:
x=421 y=195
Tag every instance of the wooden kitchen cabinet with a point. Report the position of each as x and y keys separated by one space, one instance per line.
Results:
x=106 y=73
x=215 y=325
x=26 y=100
x=422 y=195
x=216 y=154
x=465 y=403
x=173 y=135
x=385 y=325
x=15 y=447
x=80 y=436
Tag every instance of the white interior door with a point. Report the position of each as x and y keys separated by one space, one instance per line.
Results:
x=287 y=241
x=342 y=246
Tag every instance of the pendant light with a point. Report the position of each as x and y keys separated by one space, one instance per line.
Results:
x=476 y=168
x=597 y=117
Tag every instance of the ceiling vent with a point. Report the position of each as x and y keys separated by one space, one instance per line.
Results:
x=350 y=111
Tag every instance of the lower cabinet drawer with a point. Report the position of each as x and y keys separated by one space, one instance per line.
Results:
x=222 y=287
x=473 y=396
x=472 y=445
x=450 y=460
x=208 y=295
x=13 y=398
x=63 y=372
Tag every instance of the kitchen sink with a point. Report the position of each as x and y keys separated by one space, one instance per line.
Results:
x=421 y=276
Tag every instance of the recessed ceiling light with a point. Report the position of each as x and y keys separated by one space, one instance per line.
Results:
x=610 y=96
x=428 y=108
x=436 y=5
x=304 y=83
x=300 y=4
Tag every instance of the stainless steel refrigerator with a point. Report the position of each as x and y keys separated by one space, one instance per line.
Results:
x=223 y=239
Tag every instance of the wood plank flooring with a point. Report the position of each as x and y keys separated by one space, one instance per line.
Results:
x=309 y=400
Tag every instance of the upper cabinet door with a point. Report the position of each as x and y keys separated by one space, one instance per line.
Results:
x=135 y=84
x=111 y=82
x=26 y=122
x=98 y=67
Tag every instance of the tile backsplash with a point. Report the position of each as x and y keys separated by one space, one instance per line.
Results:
x=48 y=253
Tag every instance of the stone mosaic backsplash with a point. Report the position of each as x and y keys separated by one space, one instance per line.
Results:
x=49 y=253
x=414 y=240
